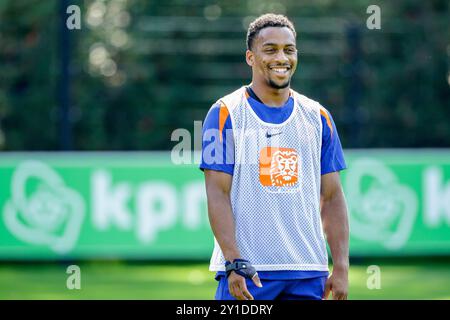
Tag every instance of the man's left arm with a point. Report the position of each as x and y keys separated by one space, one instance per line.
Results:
x=336 y=229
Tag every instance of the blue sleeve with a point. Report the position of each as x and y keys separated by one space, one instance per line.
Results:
x=332 y=156
x=217 y=145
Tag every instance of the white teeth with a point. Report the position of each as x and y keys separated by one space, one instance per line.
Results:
x=280 y=70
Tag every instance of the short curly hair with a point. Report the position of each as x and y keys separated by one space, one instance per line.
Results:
x=264 y=21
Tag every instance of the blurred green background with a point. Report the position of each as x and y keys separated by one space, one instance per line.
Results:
x=139 y=69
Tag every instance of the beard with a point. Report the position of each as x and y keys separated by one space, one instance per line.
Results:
x=275 y=85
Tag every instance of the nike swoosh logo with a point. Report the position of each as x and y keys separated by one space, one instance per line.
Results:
x=268 y=135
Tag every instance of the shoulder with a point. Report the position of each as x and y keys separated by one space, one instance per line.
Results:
x=214 y=109
x=218 y=117
x=232 y=99
x=313 y=106
x=308 y=103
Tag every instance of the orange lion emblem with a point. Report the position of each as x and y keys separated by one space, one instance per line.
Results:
x=278 y=167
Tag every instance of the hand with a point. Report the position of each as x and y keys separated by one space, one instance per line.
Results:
x=238 y=287
x=337 y=283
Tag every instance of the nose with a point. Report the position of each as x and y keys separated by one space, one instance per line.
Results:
x=281 y=57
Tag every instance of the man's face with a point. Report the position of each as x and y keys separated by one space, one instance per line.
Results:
x=273 y=57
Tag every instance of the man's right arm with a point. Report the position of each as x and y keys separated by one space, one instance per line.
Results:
x=218 y=186
x=218 y=166
x=218 y=177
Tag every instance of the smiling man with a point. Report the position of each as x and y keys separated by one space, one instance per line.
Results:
x=271 y=159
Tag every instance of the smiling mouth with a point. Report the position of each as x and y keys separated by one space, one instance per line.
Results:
x=281 y=70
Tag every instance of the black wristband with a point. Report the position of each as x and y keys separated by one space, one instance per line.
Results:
x=242 y=267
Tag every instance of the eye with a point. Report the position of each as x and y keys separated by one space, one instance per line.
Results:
x=290 y=50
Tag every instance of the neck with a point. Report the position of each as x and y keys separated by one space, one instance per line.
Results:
x=270 y=96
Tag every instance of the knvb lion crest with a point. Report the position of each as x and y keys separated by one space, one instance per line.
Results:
x=283 y=169
x=278 y=167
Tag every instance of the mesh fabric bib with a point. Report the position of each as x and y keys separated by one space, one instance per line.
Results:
x=275 y=193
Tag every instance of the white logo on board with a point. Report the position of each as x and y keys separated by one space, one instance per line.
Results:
x=381 y=209
x=42 y=209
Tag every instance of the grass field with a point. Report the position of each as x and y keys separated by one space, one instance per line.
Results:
x=119 y=280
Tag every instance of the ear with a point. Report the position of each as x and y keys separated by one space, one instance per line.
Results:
x=249 y=57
